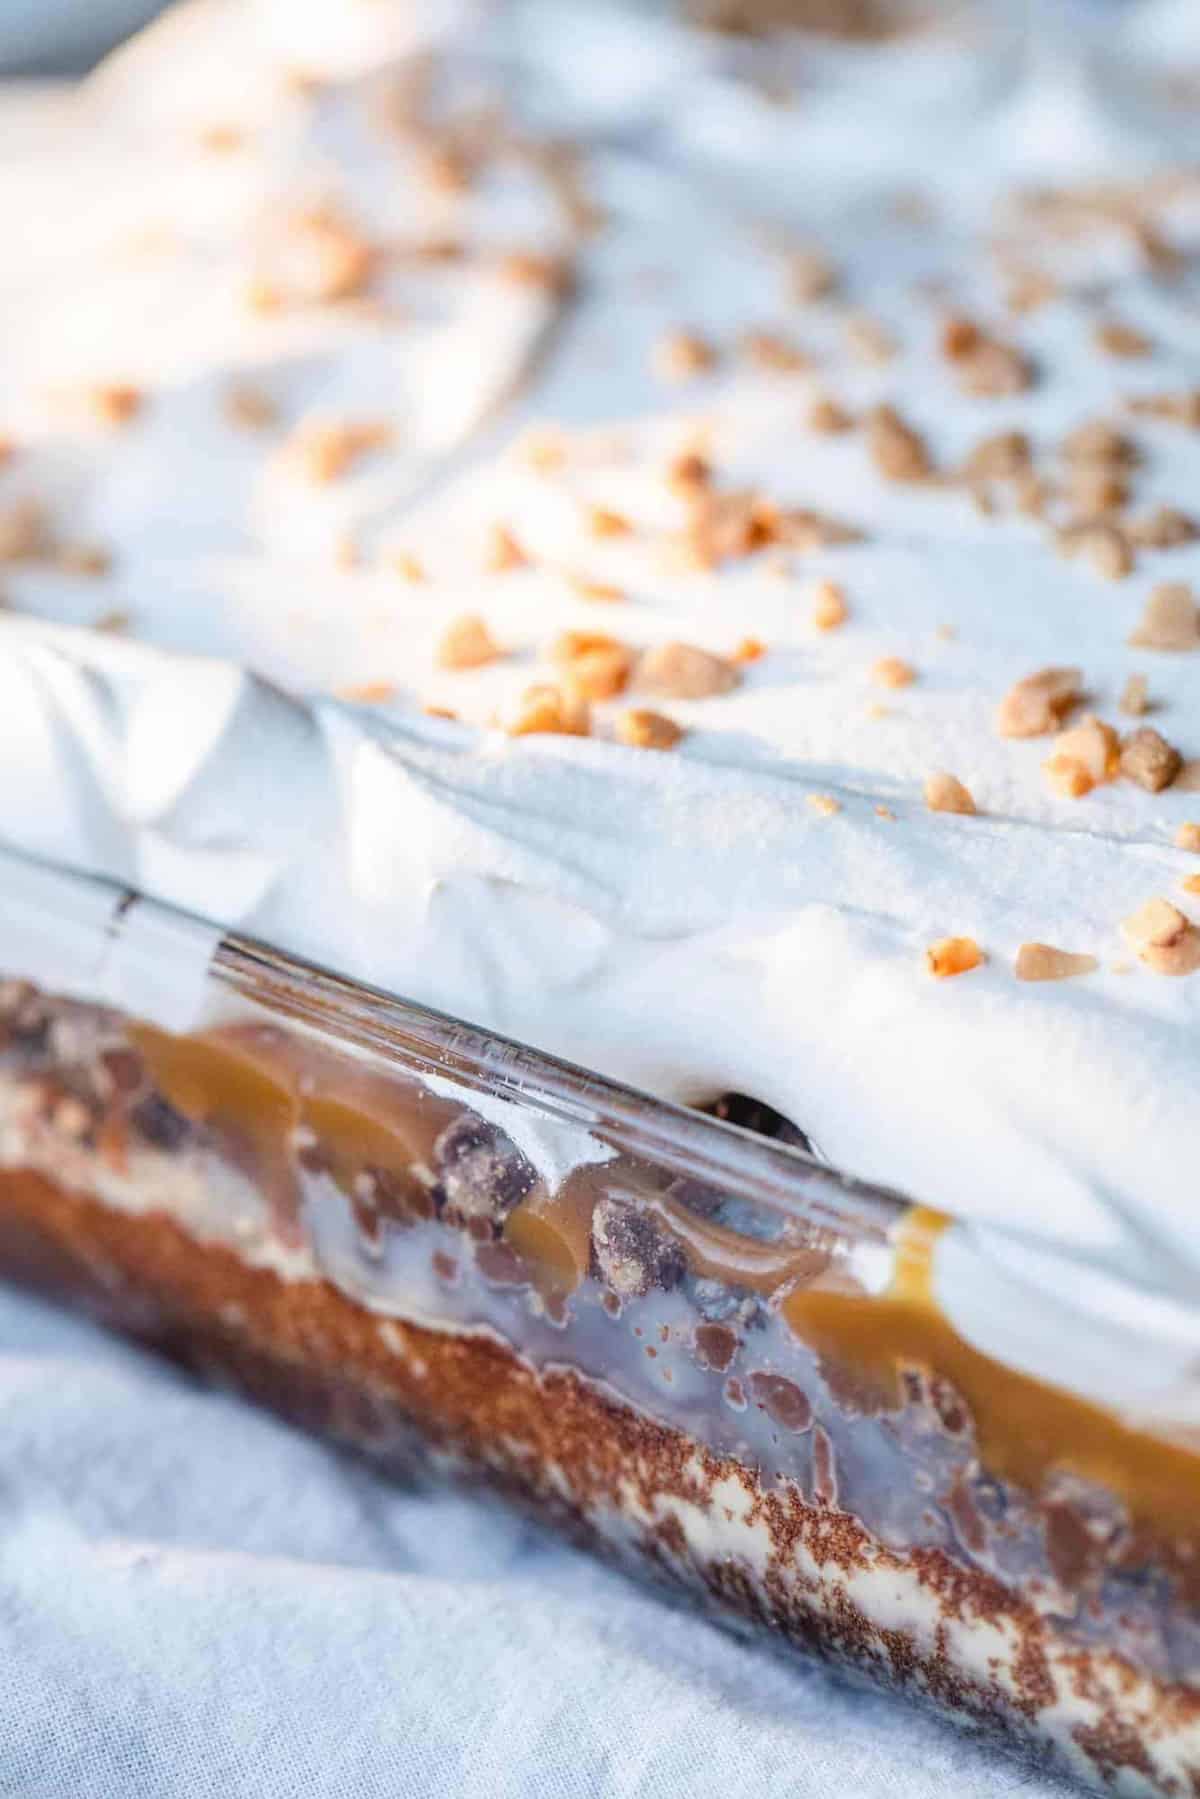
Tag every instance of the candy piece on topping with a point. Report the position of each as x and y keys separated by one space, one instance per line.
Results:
x=642 y=729
x=502 y=551
x=467 y=643
x=823 y=804
x=1187 y=837
x=1134 y=701
x=1165 y=940
x=1038 y=703
x=830 y=611
x=946 y=793
x=547 y=710
x=893 y=671
x=898 y=452
x=681 y=355
x=1170 y=619
x=1041 y=962
x=482 y=1172
x=1083 y=758
x=631 y=1251
x=953 y=955
x=682 y=671
x=1148 y=759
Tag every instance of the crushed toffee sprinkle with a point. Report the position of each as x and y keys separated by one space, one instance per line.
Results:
x=1170 y=619
x=602 y=592
x=823 y=804
x=603 y=522
x=327 y=450
x=869 y=339
x=749 y=649
x=503 y=551
x=409 y=566
x=598 y=674
x=641 y=729
x=546 y=709
x=1122 y=341
x=1187 y=837
x=1084 y=757
x=1042 y=962
x=24 y=531
x=467 y=643
x=689 y=474
x=683 y=671
x=1165 y=528
x=89 y=560
x=1097 y=441
x=1164 y=938
x=249 y=408
x=115 y=404
x=773 y=353
x=1148 y=759
x=828 y=417
x=811 y=275
x=952 y=956
x=893 y=671
x=993 y=370
x=830 y=610
x=682 y=355
x=370 y=693
x=1134 y=700
x=945 y=793
x=898 y=452
x=1005 y=456
x=1037 y=704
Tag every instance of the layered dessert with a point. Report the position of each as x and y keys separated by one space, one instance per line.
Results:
x=726 y=624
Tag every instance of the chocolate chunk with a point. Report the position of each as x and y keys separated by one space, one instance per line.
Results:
x=755 y=1115
x=156 y=1119
x=631 y=1252
x=482 y=1172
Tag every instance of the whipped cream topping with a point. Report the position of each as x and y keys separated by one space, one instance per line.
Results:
x=752 y=909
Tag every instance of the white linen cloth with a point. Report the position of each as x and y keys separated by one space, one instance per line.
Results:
x=197 y=1602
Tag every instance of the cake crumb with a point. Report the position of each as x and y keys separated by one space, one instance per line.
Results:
x=953 y=955
x=946 y=793
x=1134 y=700
x=684 y=672
x=642 y=729
x=1148 y=759
x=1037 y=704
x=466 y=643
x=830 y=611
x=1041 y=962
x=1164 y=938
x=1170 y=619
x=893 y=671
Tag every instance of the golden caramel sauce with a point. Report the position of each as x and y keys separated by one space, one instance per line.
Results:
x=553 y=1232
x=1026 y=1430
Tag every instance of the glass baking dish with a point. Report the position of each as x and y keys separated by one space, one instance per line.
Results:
x=690 y=1347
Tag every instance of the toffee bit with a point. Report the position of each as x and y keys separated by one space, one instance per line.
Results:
x=1164 y=939
x=467 y=643
x=115 y=405
x=749 y=649
x=249 y=408
x=502 y=551
x=946 y=793
x=682 y=355
x=598 y=674
x=898 y=452
x=993 y=370
x=1187 y=837
x=114 y=623
x=823 y=804
x=1096 y=493
x=86 y=559
x=799 y=528
x=1105 y=547
x=1041 y=962
x=317 y=258
x=811 y=275
x=1166 y=528
x=959 y=336
x=603 y=522
x=325 y=451
x=409 y=567
x=525 y=268
x=1134 y=700
x=1170 y=619
x=893 y=671
x=830 y=611
x=1148 y=759
x=1037 y=704
x=370 y=693
x=1096 y=441
x=953 y=955
x=569 y=646
x=1177 y=409
x=1190 y=883
x=689 y=474
x=1083 y=758
x=1030 y=289
x=828 y=418
x=869 y=340
x=684 y=672
x=773 y=354
x=24 y=531
x=601 y=591
x=545 y=709
x=1122 y=341
x=727 y=525
x=1004 y=457
x=642 y=729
